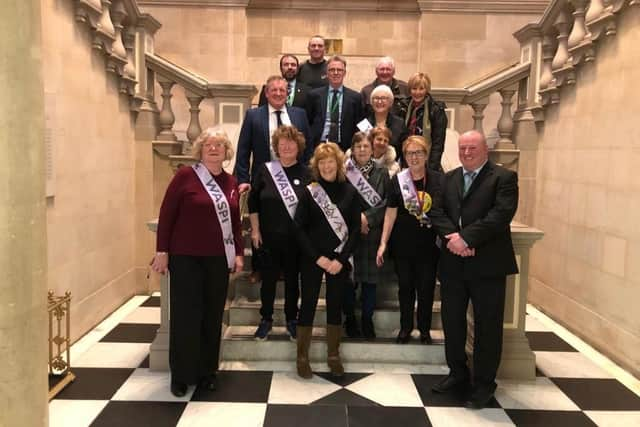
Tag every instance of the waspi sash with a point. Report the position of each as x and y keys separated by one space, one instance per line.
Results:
x=284 y=187
x=223 y=211
x=414 y=205
x=361 y=184
x=331 y=213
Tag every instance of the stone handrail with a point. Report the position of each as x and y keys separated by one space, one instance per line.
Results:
x=565 y=38
x=196 y=89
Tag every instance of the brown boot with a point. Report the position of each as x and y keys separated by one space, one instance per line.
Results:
x=333 y=350
x=303 y=341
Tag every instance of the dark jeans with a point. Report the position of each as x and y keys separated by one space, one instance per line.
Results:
x=311 y=281
x=198 y=291
x=367 y=299
x=487 y=297
x=285 y=258
x=416 y=277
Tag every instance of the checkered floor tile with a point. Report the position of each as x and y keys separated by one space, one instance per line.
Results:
x=114 y=387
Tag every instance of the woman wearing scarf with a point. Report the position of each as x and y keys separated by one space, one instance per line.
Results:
x=199 y=242
x=426 y=117
x=327 y=228
x=384 y=155
x=371 y=181
x=275 y=191
x=413 y=194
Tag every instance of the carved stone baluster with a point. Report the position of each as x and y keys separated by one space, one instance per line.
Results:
x=118 y=53
x=579 y=31
x=127 y=85
x=88 y=11
x=166 y=118
x=505 y=123
x=194 y=129
x=562 y=52
x=478 y=114
x=547 y=56
x=105 y=33
x=596 y=7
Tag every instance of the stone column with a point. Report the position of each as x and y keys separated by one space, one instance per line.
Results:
x=23 y=246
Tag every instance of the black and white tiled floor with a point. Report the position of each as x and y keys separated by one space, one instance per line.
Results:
x=114 y=387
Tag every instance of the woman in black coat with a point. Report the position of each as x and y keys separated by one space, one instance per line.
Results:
x=381 y=104
x=327 y=224
x=413 y=194
x=361 y=166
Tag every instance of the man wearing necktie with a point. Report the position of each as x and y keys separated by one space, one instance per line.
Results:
x=334 y=111
x=254 y=142
x=479 y=200
x=296 y=90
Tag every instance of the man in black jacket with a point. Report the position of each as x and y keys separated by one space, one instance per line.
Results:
x=334 y=111
x=479 y=200
x=296 y=90
x=385 y=75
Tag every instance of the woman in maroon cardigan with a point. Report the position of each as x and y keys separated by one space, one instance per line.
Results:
x=199 y=243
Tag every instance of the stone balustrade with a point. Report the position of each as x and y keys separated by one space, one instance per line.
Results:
x=566 y=37
x=230 y=101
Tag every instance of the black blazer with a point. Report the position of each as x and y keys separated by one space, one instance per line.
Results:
x=351 y=115
x=485 y=213
x=254 y=140
x=299 y=98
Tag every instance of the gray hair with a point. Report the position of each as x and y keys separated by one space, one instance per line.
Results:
x=379 y=90
x=386 y=60
x=216 y=133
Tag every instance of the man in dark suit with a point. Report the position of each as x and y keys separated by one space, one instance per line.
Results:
x=479 y=201
x=334 y=111
x=254 y=142
x=296 y=90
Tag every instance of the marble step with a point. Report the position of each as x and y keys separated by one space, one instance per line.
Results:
x=386 y=318
x=384 y=291
x=238 y=344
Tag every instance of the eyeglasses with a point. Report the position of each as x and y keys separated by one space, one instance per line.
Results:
x=336 y=70
x=380 y=99
x=215 y=146
x=419 y=153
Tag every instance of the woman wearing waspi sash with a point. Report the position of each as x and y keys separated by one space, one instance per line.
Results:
x=275 y=191
x=413 y=195
x=327 y=227
x=371 y=182
x=199 y=242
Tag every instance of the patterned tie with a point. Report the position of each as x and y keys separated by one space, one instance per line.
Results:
x=290 y=94
x=468 y=180
x=335 y=118
x=278 y=118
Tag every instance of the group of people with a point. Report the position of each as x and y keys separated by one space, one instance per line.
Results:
x=336 y=187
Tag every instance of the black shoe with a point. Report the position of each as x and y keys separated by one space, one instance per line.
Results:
x=425 y=338
x=368 y=330
x=210 y=382
x=351 y=328
x=480 y=398
x=450 y=384
x=178 y=389
x=403 y=337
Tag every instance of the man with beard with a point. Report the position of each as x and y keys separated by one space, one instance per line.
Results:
x=296 y=90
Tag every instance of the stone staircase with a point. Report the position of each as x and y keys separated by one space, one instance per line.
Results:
x=244 y=316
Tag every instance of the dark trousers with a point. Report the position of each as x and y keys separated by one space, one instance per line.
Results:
x=487 y=297
x=367 y=299
x=198 y=291
x=311 y=281
x=281 y=257
x=416 y=277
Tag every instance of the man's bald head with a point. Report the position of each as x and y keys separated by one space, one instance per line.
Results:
x=473 y=150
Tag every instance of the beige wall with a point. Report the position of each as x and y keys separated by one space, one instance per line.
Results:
x=90 y=219
x=238 y=45
x=586 y=271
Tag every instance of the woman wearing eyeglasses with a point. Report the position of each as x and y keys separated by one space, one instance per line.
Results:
x=413 y=195
x=381 y=102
